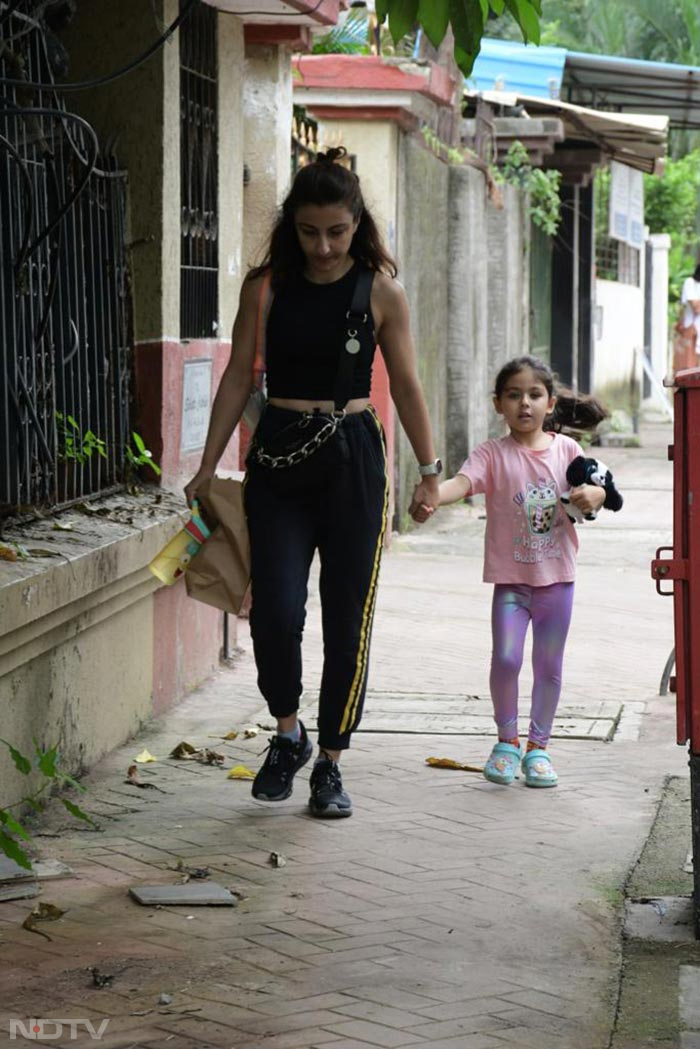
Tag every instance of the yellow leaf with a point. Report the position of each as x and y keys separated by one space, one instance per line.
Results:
x=448 y=763
x=240 y=772
x=144 y=757
x=230 y=735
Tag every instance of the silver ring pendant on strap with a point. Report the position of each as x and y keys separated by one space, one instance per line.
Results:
x=277 y=462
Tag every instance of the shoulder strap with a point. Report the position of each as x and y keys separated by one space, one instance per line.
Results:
x=357 y=317
x=264 y=303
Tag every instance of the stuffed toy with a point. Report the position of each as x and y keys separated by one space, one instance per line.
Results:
x=590 y=471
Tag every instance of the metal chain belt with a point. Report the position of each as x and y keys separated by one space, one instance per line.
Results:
x=275 y=462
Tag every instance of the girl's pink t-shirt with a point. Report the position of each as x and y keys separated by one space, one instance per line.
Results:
x=529 y=538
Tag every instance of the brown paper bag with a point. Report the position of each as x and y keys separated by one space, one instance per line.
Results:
x=219 y=574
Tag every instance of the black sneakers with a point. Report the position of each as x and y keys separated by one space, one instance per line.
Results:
x=274 y=781
x=328 y=799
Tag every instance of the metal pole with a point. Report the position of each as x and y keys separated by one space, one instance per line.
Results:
x=694 y=762
x=575 y=291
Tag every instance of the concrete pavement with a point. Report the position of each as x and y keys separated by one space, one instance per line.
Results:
x=448 y=912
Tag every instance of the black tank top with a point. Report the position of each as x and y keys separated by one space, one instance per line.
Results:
x=305 y=335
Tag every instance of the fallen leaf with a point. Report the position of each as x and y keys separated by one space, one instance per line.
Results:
x=42 y=912
x=240 y=772
x=448 y=763
x=209 y=757
x=60 y=526
x=277 y=859
x=7 y=553
x=182 y=750
x=230 y=735
x=133 y=778
x=250 y=733
x=100 y=979
x=144 y=757
x=190 y=872
x=39 y=551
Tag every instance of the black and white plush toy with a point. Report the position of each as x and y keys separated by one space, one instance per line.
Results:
x=590 y=471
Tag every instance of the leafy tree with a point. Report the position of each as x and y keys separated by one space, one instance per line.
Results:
x=467 y=18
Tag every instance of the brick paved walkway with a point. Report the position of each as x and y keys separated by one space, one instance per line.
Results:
x=447 y=912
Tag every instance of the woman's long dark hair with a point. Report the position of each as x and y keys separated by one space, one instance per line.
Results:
x=323 y=182
x=572 y=411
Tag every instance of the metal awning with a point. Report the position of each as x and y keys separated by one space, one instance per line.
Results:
x=634 y=139
x=634 y=86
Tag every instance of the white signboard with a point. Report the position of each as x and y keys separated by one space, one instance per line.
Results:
x=196 y=404
x=636 y=212
x=626 y=221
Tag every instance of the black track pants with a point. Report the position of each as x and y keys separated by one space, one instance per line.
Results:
x=345 y=521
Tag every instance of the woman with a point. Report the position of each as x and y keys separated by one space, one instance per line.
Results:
x=688 y=326
x=323 y=242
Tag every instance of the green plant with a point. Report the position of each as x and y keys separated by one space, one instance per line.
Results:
x=435 y=144
x=470 y=21
x=140 y=457
x=350 y=38
x=12 y=828
x=73 y=444
x=542 y=187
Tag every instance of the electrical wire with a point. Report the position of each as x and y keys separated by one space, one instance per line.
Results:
x=40 y=111
x=29 y=207
x=83 y=85
x=12 y=7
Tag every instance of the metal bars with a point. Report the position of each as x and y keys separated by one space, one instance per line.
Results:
x=64 y=353
x=199 y=269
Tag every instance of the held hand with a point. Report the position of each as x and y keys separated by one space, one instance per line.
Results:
x=202 y=475
x=426 y=499
x=587 y=497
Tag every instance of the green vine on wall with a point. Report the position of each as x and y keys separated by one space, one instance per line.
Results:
x=541 y=186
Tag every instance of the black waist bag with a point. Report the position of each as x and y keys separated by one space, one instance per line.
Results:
x=303 y=455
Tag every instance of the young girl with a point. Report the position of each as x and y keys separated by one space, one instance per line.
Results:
x=530 y=552
x=323 y=248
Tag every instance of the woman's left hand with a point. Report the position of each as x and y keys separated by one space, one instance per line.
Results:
x=588 y=498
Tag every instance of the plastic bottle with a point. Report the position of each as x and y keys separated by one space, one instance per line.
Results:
x=174 y=558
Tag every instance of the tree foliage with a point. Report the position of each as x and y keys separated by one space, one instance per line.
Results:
x=467 y=19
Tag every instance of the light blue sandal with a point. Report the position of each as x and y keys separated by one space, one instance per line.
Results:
x=538 y=769
x=503 y=764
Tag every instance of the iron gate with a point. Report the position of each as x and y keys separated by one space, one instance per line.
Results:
x=65 y=357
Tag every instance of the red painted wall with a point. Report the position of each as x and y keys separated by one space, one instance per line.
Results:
x=187 y=635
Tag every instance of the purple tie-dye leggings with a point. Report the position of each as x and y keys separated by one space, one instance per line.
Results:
x=514 y=606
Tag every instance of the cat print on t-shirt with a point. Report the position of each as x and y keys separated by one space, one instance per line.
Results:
x=537 y=509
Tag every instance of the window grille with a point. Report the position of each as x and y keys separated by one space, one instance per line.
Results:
x=199 y=266
x=616 y=260
x=65 y=357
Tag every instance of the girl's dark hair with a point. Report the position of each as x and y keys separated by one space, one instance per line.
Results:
x=572 y=411
x=323 y=182
x=696 y=272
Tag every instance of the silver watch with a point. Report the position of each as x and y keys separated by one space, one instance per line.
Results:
x=433 y=469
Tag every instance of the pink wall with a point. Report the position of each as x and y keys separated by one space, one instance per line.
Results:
x=159 y=380
x=187 y=635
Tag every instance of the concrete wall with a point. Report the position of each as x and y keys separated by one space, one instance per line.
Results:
x=508 y=285
x=618 y=332
x=267 y=108
x=81 y=663
x=467 y=345
x=422 y=248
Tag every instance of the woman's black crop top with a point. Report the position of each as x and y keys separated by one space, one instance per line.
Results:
x=306 y=331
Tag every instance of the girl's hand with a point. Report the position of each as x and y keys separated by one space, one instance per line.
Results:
x=587 y=497
x=202 y=475
x=420 y=512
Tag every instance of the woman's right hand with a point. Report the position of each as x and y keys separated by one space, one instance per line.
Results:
x=202 y=475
